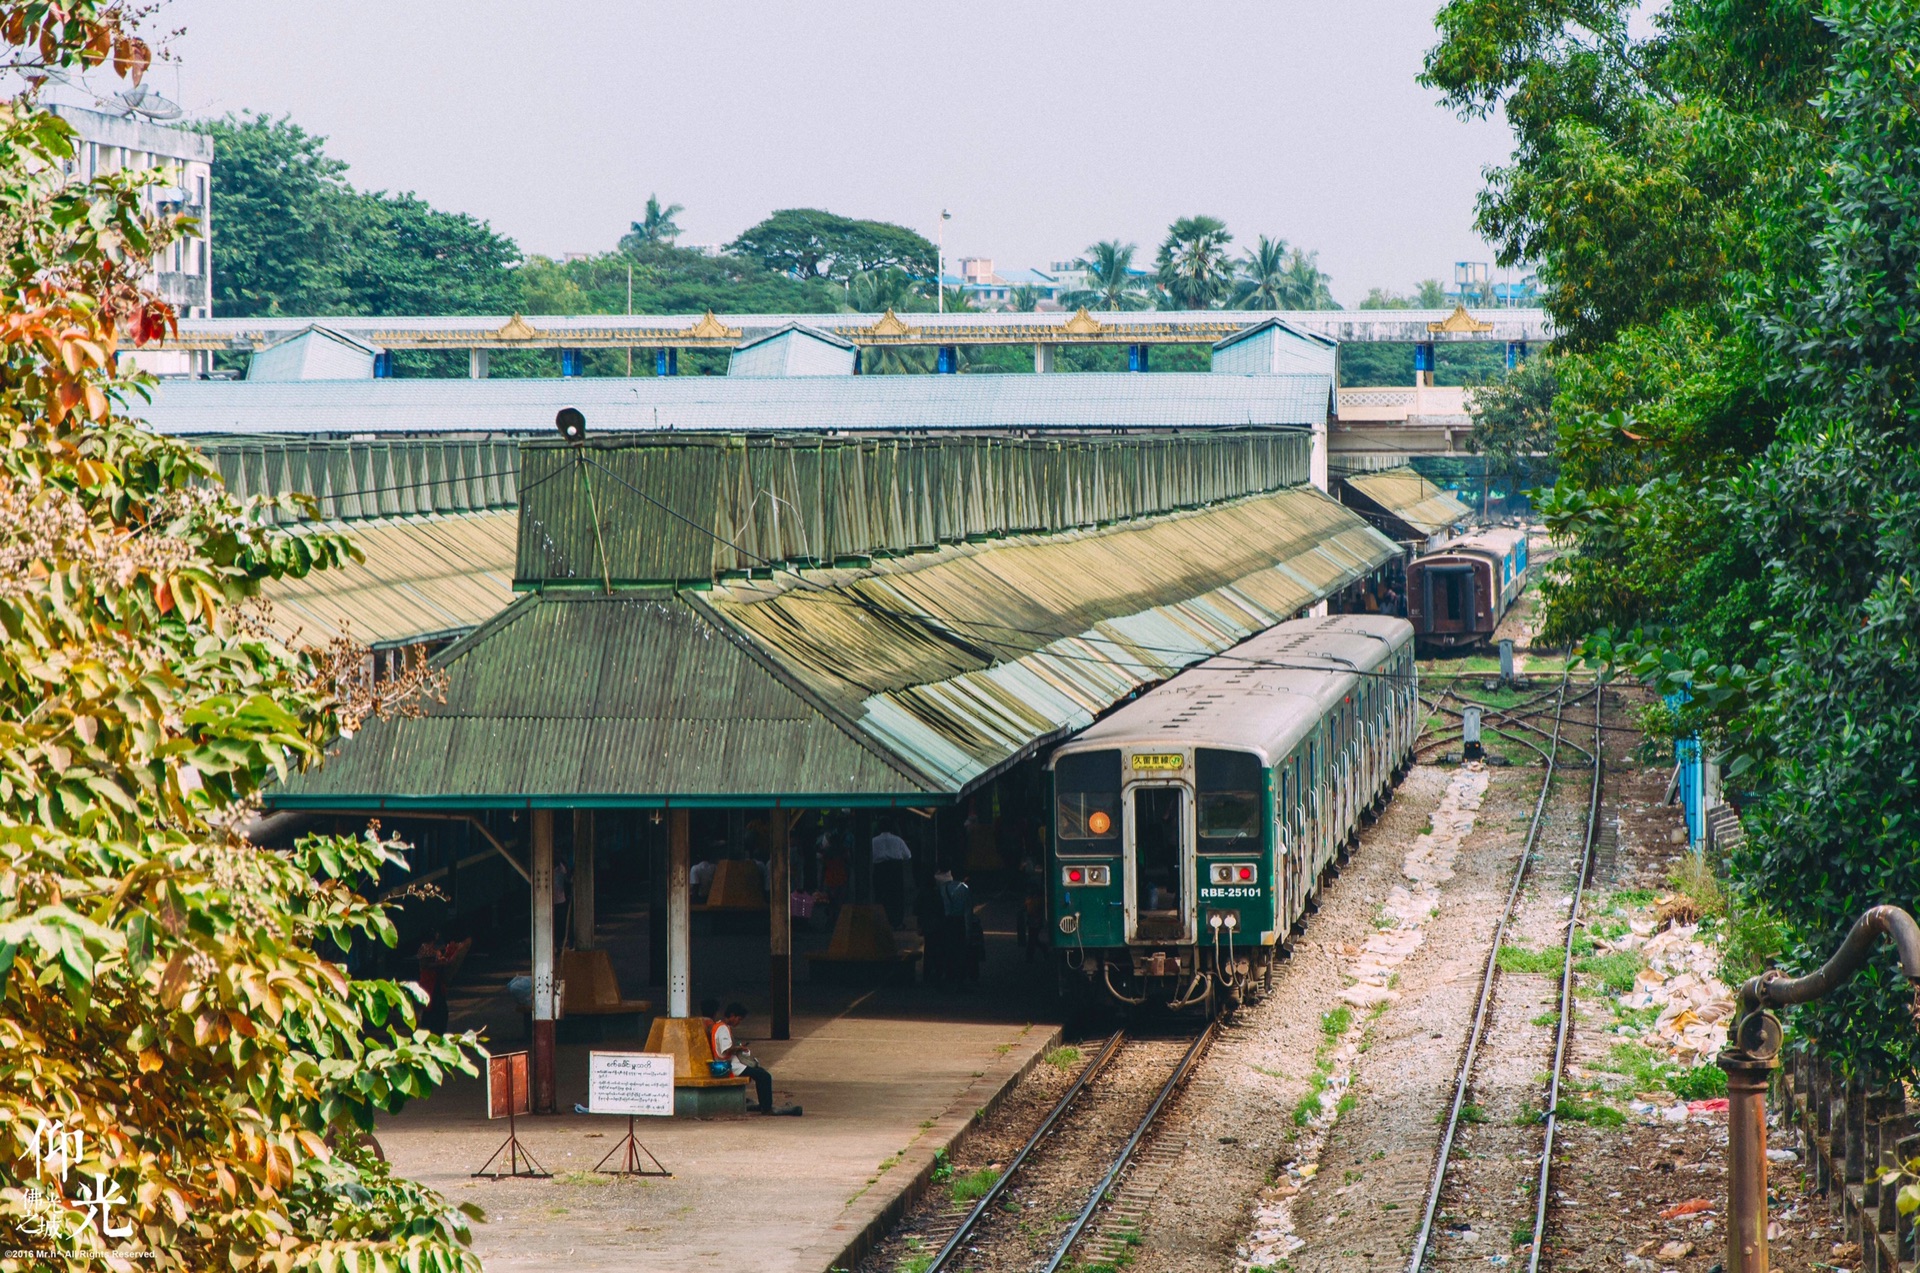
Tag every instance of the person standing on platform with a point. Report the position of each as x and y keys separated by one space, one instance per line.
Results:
x=957 y=930
x=892 y=859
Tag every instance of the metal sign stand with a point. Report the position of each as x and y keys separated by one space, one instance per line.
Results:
x=630 y=1163
x=512 y=1148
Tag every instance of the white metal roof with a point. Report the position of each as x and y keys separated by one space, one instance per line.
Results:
x=1121 y=400
x=1261 y=696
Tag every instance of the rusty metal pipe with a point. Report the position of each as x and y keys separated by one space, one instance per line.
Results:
x=1753 y=1053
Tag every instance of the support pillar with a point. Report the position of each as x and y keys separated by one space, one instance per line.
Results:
x=1516 y=353
x=679 y=916
x=656 y=906
x=585 y=848
x=1747 y=1079
x=544 y=1099
x=383 y=365
x=1042 y=359
x=477 y=364
x=1423 y=363
x=780 y=924
x=572 y=363
x=666 y=362
x=1137 y=357
x=1317 y=461
x=946 y=360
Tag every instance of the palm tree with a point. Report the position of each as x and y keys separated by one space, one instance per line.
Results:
x=1193 y=263
x=1110 y=282
x=1263 y=276
x=656 y=229
x=1305 y=287
x=890 y=287
x=1026 y=298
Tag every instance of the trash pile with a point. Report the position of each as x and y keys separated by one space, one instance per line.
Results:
x=1681 y=978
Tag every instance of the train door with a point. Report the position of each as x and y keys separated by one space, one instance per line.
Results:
x=1450 y=598
x=1160 y=863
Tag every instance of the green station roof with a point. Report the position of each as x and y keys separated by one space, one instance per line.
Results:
x=900 y=680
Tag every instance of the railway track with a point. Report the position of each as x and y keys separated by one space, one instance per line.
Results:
x=1093 y=1132
x=1464 y=1078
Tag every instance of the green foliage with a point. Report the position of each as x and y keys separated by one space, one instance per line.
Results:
x=1193 y=265
x=656 y=227
x=1111 y=283
x=1513 y=424
x=809 y=243
x=1335 y=1023
x=1428 y=293
x=1521 y=959
x=1703 y=1082
x=296 y=238
x=168 y=990
x=973 y=1185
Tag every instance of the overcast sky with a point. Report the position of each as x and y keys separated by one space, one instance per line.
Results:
x=1042 y=125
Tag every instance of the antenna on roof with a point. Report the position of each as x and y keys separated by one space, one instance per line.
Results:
x=143 y=101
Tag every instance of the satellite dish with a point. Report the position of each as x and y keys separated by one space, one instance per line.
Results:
x=572 y=424
x=140 y=100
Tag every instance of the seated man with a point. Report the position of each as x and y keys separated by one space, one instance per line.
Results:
x=727 y=1048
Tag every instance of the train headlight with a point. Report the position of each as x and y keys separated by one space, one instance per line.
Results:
x=1100 y=822
x=1069 y=923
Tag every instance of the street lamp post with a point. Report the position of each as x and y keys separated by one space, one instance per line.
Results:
x=940 y=264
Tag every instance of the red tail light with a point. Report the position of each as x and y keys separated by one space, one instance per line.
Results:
x=1246 y=872
x=1076 y=875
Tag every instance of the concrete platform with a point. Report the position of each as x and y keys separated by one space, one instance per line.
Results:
x=884 y=1088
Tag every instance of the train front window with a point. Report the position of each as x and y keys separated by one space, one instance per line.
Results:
x=1229 y=785
x=1087 y=802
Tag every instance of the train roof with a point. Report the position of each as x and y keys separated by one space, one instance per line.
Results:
x=1261 y=696
x=1497 y=541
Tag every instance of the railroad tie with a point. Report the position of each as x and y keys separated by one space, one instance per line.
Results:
x=1119 y=1230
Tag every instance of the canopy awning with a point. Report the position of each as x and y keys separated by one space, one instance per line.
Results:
x=907 y=681
x=1403 y=495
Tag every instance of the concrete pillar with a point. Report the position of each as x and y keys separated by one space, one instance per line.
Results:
x=572 y=363
x=1516 y=353
x=679 y=917
x=656 y=905
x=1317 y=465
x=780 y=924
x=1043 y=358
x=543 y=997
x=584 y=851
x=477 y=364
x=383 y=365
x=1137 y=357
x=946 y=360
x=666 y=362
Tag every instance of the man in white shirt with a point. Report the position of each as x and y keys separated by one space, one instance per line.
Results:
x=892 y=861
x=720 y=1035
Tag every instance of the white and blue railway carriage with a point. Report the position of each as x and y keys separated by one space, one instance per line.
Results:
x=1193 y=827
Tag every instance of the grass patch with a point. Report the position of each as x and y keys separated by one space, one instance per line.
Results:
x=1629 y=899
x=1699 y=1083
x=1272 y=1074
x=1336 y=1023
x=1755 y=937
x=942 y=1167
x=918 y=1258
x=1546 y=1019
x=1063 y=1058
x=1598 y=1113
x=1308 y=1107
x=1612 y=972
x=1520 y=959
x=1471 y=1113
x=973 y=1185
x=1694 y=879
x=1610 y=928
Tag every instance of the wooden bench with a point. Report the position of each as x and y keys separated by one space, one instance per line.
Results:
x=591 y=1005
x=737 y=898
x=697 y=1093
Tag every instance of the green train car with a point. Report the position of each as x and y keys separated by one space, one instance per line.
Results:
x=1193 y=828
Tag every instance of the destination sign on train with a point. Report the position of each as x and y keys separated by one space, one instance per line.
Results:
x=1163 y=760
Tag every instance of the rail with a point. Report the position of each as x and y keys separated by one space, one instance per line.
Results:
x=980 y=1208
x=1477 y=1032
x=1125 y=1156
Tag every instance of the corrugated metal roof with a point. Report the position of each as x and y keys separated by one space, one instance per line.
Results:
x=381 y=477
x=646 y=509
x=1406 y=495
x=1169 y=400
x=424 y=578
x=905 y=680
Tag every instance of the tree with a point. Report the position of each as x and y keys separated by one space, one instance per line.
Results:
x=657 y=228
x=1026 y=298
x=1303 y=286
x=1427 y=294
x=412 y=258
x=282 y=209
x=809 y=243
x=296 y=238
x=875 y=291
x=1110 y=283
x=1513 y=423
x=1193 y=267
x=174 y=1011
x=1262 y=282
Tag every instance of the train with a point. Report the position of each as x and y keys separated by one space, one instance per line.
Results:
x=1193 y=828
x=1458 y=593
